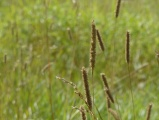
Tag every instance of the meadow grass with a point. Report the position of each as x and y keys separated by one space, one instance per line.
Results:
x=35 y=47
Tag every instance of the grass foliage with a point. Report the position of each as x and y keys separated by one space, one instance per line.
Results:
x=42 y=39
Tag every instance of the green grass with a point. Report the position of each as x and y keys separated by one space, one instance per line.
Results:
x=34 y=33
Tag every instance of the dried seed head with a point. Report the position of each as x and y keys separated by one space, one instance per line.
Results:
x=149 y=112
x=108 y=102
x=100 y=41
x=109 y=95
x=83 y=113
x=117 y=8
x=127 y=47
x=86 y=86
x=104 y=80
x=93 y=46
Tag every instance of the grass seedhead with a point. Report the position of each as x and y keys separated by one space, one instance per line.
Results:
x=149 y=112
x=86 y=86
x=93 y=46
x=117 y=8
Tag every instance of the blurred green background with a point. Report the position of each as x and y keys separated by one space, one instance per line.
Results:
x=42 y=39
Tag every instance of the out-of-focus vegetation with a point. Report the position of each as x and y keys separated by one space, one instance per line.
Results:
x=36 y=46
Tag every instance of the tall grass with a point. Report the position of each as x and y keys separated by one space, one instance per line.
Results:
x=109 y=97
x=29 y=64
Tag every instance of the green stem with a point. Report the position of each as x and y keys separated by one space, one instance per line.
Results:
x=131 y=92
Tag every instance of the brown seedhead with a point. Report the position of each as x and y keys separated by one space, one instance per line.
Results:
x=117 y=8
x=104 y=80
x=109 y=95
x=83 y=115
x=93 y=46
x=127 y=47
x=86 y=86
x=100 y=40
x=149 y=112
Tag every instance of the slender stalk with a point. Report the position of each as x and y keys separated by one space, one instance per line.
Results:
x=98 y=112
x=127 y=56
x=46 y=3
x=108 y=106
x=131 y=92
x=114 y=57
x=74 y=42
